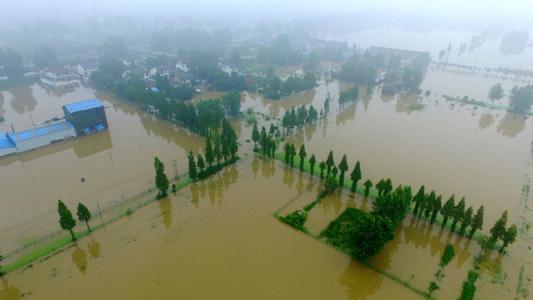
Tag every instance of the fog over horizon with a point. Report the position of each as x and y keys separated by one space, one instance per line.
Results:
x=490 y=11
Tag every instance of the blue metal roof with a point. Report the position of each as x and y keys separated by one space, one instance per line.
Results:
x=83 y=105
x=5 y=142
x=39 y=131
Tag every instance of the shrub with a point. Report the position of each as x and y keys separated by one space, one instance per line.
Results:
x=330 y=185
x=447 y=256
x=433 y=286
x=215 y=168
x=469 y=288
x=295 y=219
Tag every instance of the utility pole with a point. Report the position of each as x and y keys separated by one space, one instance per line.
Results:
x=32 y=122
x=175 y=167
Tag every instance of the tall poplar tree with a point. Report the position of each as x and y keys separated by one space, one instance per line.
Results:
x=302 y=154
x=330 y=162
x=161 y=180
x=343 y=167
x=498 y=230
x=255 y=135
x=417 y=199
x=368 y=185
x=312 y=162
x=458 y=213
x=209 y=153
x=448 y=210
x=467 y=220
x=66 y=221
x=322 y=166
x=509 y=236
x=84 y=215
x=355 y=176
x=477 y=222
x=193 y=173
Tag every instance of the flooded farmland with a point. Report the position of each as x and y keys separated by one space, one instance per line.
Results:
x=217 y=238
x=115 y=164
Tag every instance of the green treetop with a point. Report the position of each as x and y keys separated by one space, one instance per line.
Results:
x=496 y=92
x=330 y=162
x=334 y=172
x=200 y=162
x=458 y=213
x=161 y=180
x=66 y=221
x=193 y=173
x=477 y=221
x=380 y=186
x=255 y=135
x=302 y=154
x=498 y=230
x=448 y=210
x=84 y=215
x=343 y=167
x=287 y=153
x=509 y=236
x=322 y=166
x=437 y=206
x=330 y=185
x=355 y=176
x=467 y=220
x=368 y=185
x=312 y=162
x=418 y=199
x=209 y=153
x=218 y=152
x=430 y=202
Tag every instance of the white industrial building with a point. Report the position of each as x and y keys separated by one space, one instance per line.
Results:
x=41 y=136
x=82 y=118
x=6 y=147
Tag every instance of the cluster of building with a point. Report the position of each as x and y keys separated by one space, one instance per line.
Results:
x=81 y=118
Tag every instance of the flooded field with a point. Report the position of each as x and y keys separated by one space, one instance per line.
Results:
x=215 y=239
x=218 y=239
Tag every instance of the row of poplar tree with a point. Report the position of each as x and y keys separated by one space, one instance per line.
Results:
x=427 y=206
x=297 y=118
x=266 y=141
x=67 y=221
x=220 y=150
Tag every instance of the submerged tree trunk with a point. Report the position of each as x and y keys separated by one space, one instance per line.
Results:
x=73 y=236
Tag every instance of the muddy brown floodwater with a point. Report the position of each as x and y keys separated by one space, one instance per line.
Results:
x=214 y=240
x=115 y=164
x=218 y=239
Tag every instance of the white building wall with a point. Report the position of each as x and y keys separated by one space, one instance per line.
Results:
x=7 y=151
x=40 y=141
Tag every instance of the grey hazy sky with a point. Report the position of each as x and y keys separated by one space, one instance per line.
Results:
x=70 y=8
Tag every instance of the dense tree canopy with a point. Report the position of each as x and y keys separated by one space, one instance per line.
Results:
x=11 y=62
x=280 y=52
x=521 y=99
x=496 y=92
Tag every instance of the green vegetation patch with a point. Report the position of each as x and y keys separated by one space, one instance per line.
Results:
x=295 y=219
x=359 y=233
x=469 y=288
x=447 y=256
